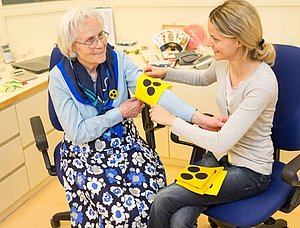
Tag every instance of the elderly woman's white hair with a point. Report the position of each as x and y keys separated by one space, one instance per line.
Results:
x=69 y=25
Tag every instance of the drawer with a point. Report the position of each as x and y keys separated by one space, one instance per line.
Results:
x=8 y=123
x=34 y=161
x=35 y=105
x=13 y=188
x=11 y=156
x=35 y=166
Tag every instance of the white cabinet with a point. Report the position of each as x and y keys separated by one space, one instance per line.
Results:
x=22 y=167
x=34 y=105
x=11 y=157
x=34 y=161
x=35 y=166
x=8 y=123
x=13 y=187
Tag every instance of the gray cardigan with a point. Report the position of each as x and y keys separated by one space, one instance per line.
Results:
x=245 y=137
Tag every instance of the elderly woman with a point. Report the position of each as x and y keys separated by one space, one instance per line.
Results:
x=110 y=174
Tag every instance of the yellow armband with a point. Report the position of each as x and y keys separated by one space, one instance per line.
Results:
x=149 y=89
x=201 y=180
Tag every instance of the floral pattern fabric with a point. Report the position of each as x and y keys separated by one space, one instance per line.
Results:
x=111 y=181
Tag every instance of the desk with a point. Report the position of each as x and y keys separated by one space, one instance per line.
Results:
x=22 y=171
x=32 y=86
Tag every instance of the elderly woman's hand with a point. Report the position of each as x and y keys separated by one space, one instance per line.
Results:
x=131 y=108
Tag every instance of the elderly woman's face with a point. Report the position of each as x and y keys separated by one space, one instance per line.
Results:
x=90 y=43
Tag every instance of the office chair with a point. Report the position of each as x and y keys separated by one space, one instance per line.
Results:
x=283 y=193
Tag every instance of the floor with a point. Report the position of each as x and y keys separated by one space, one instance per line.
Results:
x=37 y=212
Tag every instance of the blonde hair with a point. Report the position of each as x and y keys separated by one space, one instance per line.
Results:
x=69 y=24
x=239 y=19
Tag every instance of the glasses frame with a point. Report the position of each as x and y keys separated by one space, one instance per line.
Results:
x=100 y=37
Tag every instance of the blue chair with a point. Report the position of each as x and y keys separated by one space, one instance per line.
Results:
x=283 y=193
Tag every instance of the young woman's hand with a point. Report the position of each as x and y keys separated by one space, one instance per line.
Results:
x=161 y=116
x=155 y=72
x=209 y=122
x=131 y=108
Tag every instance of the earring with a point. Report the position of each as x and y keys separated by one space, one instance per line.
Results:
x=74 y=55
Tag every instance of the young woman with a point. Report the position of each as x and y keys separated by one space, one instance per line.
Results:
x=247 y=94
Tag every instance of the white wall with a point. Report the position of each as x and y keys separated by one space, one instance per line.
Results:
x=32 y=27
x=280 y=21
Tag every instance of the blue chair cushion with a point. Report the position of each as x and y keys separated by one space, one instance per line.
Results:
x=255 y=210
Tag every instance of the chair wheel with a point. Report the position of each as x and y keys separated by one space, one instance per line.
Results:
x=212 y=223
x=55 y=224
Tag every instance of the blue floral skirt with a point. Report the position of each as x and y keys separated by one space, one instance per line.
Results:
x=111 y=181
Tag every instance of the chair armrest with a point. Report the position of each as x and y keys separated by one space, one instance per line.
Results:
x=290 y=170
x=149 y=127
x=289 y=175
x=175 y=139
x=39 y=133
x=148 y=124
x=41 y=142
x=197 y=151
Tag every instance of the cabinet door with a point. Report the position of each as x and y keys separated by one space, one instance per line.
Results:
x=11 y=156
x=35 y=165
x=13 y=188
x=35 y=105
x=180 y=152
x=8 y=123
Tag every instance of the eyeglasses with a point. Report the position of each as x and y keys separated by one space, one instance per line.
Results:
x=93 y=41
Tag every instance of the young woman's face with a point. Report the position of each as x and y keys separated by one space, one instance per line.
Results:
x=224 y=48
x=90 y=43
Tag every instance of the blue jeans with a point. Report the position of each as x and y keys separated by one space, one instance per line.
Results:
x=177 y=207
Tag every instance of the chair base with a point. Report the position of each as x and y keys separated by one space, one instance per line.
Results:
x=55 y=221
x=270 y=223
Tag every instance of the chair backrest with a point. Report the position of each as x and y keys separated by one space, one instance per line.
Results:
x=286 y=131
x=55 y=58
